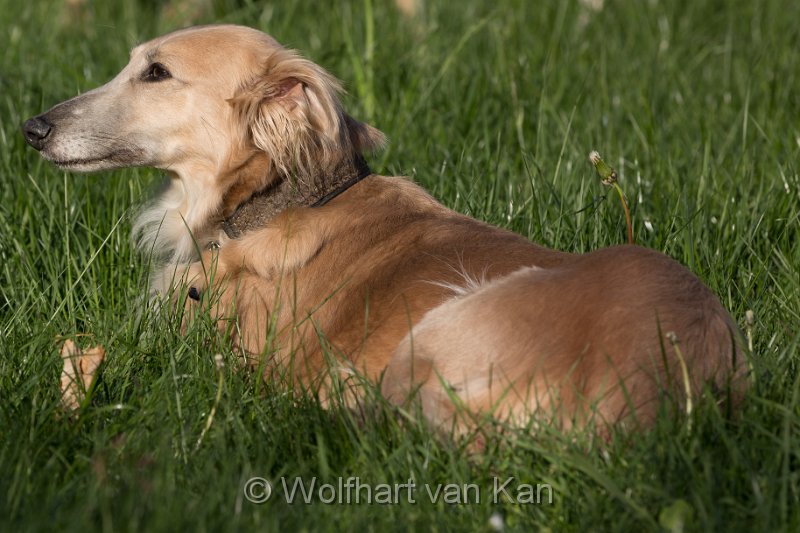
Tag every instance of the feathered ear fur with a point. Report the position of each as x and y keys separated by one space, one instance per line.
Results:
x=294 y=115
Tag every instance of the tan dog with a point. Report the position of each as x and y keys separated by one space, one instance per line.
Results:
x=313 y=257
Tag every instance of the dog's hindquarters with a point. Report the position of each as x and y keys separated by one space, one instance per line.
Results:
x=585 y=341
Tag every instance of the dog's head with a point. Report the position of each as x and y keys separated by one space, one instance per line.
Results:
x=199 y=103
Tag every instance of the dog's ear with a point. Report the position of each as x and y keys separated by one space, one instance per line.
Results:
x=292 y=112
x=364 y=137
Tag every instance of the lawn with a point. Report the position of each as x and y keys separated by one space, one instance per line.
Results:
x=493 y=107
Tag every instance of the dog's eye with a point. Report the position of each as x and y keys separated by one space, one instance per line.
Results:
x=156 y=72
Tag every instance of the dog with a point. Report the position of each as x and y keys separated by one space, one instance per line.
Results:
x=323 y=269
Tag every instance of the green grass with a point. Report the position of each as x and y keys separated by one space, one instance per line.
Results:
x=493 y=107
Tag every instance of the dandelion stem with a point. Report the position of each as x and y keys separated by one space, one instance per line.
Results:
x=624 y=203
x=673 y=339
x=609 y=178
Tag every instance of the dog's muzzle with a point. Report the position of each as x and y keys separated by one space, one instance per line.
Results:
x=36 y=131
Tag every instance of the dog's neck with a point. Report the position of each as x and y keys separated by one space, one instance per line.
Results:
x=256 y=211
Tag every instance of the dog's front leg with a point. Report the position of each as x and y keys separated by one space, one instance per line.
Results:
x=283 y=247
x=210 y=287
x=240 y=302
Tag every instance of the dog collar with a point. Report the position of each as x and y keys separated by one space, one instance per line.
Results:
x=263 y=206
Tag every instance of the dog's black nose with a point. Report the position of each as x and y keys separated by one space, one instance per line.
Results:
x=36 y=130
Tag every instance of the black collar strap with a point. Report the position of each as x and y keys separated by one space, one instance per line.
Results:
x=263 y=206
x=362 y=173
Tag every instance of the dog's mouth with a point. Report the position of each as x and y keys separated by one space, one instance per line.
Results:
x=70 y=163
x=114 y=159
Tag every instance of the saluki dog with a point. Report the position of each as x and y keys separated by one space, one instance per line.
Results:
x=274 y=222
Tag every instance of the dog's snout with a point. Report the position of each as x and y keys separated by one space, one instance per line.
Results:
x=36 y=131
